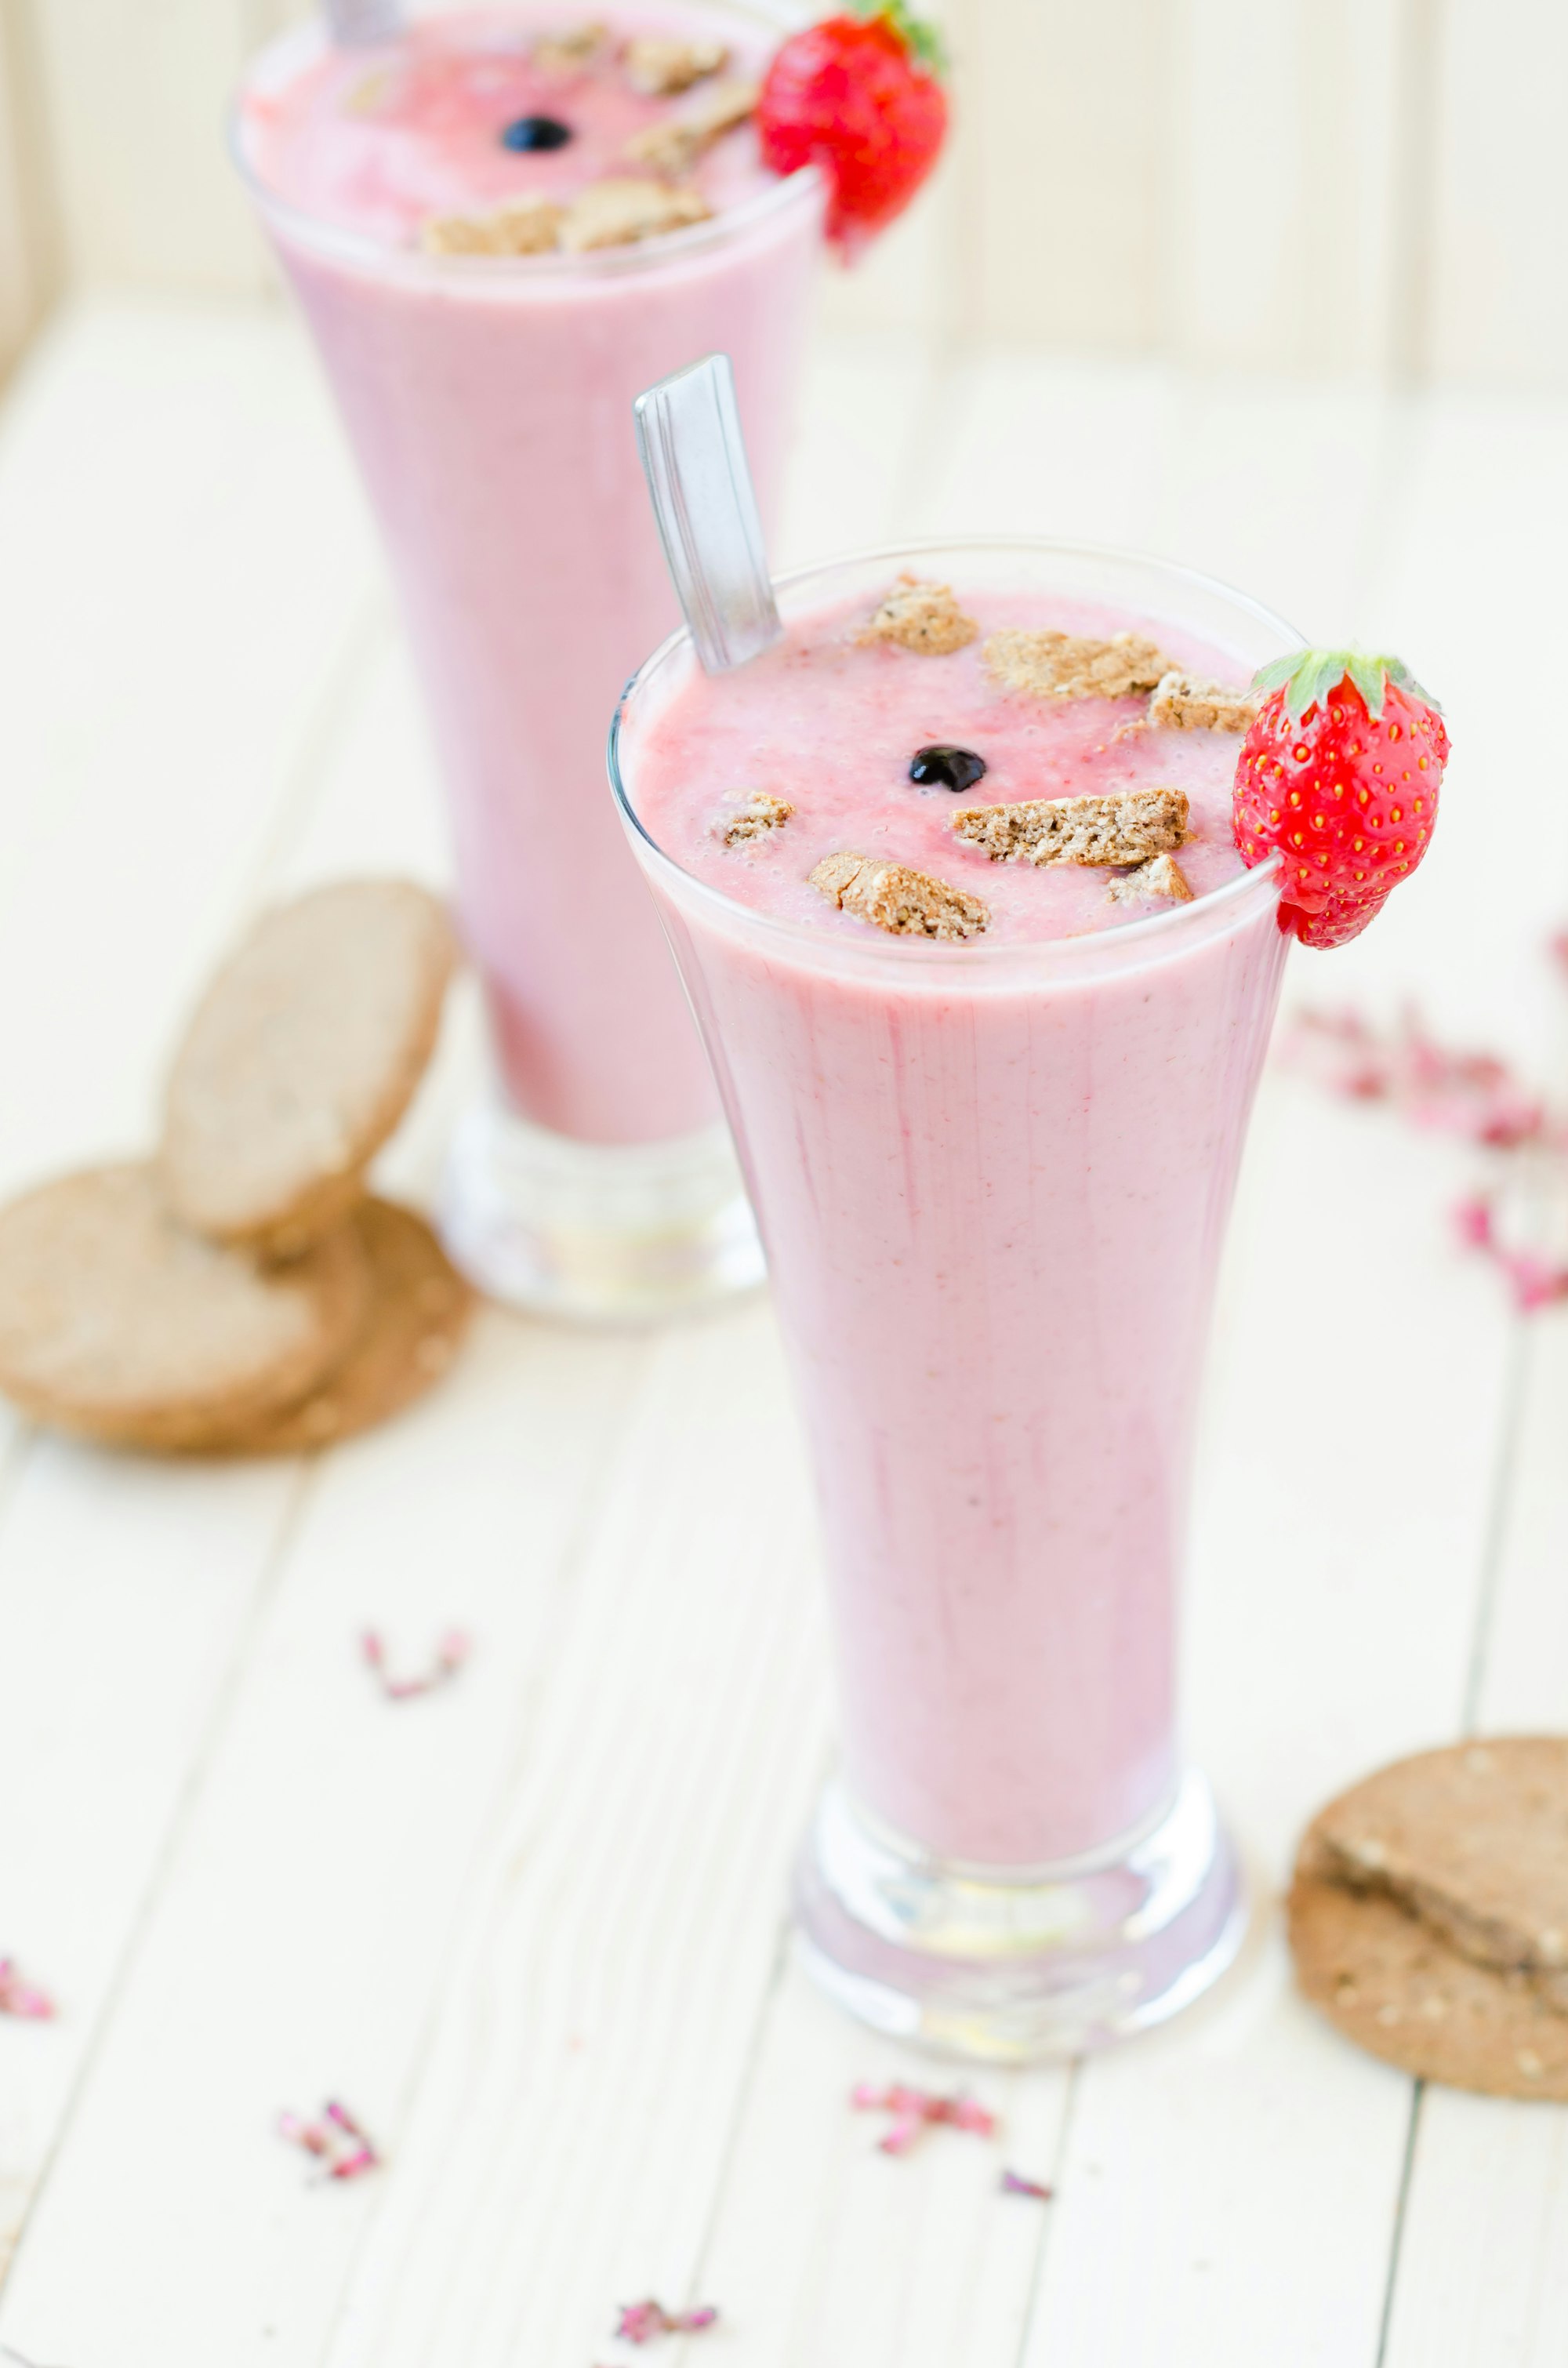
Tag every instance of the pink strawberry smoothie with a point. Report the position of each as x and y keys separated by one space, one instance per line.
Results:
x=488 y=399
x=992 y=1180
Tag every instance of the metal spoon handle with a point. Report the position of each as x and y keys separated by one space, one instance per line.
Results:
x=689 y=432
x=359 y=24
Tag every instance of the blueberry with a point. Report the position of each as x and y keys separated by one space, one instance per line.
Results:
x=945 y=769
x=534 y=131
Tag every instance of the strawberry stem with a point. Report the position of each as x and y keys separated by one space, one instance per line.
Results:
x=1307 y=677
x=919 y=37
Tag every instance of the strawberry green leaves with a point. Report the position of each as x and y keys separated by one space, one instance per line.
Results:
x=1307 y=677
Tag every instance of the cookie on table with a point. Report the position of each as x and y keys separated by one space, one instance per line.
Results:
x=304 y=1055
x=418 y=1311
x=1428 y=1914
x=119 y=1323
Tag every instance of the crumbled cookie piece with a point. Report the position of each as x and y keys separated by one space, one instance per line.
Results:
x=922 y=617
x=570 y=52
x=662 y=68
x=760 y=813
x=1161 y=876
x=1389 y=1982
x=1184 y=702
x=1473 y=1839
x=618 y=213
x=1049 y=664
x=525 y=226
x=891 y=896
x=673 y=147
x=1129 y=827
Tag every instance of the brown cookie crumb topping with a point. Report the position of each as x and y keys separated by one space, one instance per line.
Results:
x=1183 y=702
x=673 y=147
x=891 y=896
x=1161 y=876
x=569 y=52
x=525 y=226
x=619 y=212
x=661 y=67
x=760 y=813
x=922 y=617
x=1049 y=664
x=1129 y=827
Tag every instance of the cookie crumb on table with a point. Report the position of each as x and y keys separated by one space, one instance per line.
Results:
x=1128 y=827
x=906 y=904
x=922 y=617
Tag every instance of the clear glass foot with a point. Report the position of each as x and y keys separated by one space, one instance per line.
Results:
x=597 y=1232
x=1010 y=1965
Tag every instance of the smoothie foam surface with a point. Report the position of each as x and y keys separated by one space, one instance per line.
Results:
x=830 y=726
x=377 y=142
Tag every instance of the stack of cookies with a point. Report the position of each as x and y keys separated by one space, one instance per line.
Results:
x=241 y=1293
x=1429 y=1915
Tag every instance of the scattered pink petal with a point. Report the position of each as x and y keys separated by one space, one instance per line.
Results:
x=1536 y=1282
x=452 y=1649
x=643 y=2322
x=1476 y=1096
x=336 y=2141
x=20 y=1997
x=1014 y=2183
x=914 y=2110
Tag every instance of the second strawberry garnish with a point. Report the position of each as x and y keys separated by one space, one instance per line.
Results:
x=1339 y=772
x=860 y=94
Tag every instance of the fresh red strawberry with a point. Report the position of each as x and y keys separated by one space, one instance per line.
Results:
x=861 y=95
x=1340 y=772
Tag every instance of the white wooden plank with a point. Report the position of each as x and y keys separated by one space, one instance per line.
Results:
x=554 y=2081
x=829 y=2254
x=863 y=412
x=125 y=1598
x=29 y=260
x=1500 y=278
x=182 y=557
x=295 y=1951
x=1283 y=124
x=1025 y=444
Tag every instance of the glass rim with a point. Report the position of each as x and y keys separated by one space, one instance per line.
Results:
x=1155 y=933
x=338 y=242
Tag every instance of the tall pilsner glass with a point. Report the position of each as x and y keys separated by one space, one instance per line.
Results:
x=994 y=1183
x=486 y=400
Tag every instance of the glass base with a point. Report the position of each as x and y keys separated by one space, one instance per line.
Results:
x=597 y=1232
x=1011 y=1965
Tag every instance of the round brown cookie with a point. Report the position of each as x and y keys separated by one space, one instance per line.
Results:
x=1388 y=1982
x=302 y=1056
x=419 y=1307
x=1473 y=1839
x=116 y=1322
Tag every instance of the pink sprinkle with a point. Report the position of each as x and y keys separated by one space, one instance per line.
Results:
x=641 y=2322
x=20 y=1997
x=336 y=2141
x=914 y=2110
x=452 y=1649
x=1014 y=2183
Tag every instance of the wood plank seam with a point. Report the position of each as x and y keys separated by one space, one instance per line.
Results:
x=182 y=1811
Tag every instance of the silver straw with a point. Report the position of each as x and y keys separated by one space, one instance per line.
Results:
x=689 y=432
x=359 y=24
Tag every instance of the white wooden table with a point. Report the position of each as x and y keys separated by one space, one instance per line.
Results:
x=530 y=1929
